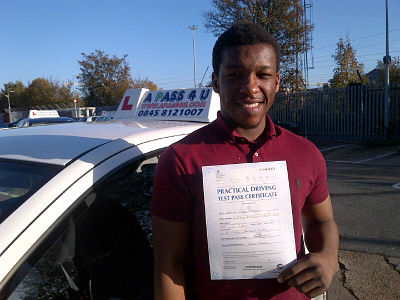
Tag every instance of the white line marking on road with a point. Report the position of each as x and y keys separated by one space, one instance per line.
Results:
x=336 y=147
x=342 y=161
x=376 y=157
x=396 y=186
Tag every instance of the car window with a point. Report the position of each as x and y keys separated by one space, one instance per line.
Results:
x=100 y=119
x=19 y=180
x=22 y=123
x=105 y=248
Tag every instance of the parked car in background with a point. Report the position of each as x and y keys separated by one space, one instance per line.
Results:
x=102 y=118
x=13 y=123
x=44 y=121
x=88 y=119
x=41 y=117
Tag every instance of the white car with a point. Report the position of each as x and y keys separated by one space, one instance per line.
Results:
x=88 y=119
x=102 y=119
x=74 y=199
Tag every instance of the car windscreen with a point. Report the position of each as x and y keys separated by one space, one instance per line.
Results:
x=19 y=180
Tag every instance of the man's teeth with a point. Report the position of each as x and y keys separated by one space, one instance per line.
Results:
x=251 y=105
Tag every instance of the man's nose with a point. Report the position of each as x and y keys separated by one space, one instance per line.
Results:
x=249 y=85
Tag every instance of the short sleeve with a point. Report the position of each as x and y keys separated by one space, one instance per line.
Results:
x=171 y=197
x=319 y=191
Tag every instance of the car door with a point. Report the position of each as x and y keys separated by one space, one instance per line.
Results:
x=96 y=245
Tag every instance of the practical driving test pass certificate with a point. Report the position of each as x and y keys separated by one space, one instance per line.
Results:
x=249 y=220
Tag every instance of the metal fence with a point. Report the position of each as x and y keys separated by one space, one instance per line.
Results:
x=355 y=113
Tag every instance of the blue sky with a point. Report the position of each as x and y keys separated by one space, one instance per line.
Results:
x=45 y=38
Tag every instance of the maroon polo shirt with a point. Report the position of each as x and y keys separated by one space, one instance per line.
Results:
x=178 y=196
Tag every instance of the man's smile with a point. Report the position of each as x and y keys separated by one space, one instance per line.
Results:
x=251 y=107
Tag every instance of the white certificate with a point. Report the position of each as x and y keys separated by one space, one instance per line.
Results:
x=249 y=220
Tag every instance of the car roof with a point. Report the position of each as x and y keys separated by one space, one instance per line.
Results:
x=141 y=117
x=63 y=143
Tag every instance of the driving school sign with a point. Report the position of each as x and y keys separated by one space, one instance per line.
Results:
x=36 y=114
x=200 y=104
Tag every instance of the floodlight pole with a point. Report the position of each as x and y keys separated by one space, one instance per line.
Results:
x=387 y=61
x=74 y=94
x=76 y=113
x=9 y=106
x=193 y=28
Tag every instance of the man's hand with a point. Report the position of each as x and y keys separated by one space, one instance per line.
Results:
x=310 y=275
x=313 y=273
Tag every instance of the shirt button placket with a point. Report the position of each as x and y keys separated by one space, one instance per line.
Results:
x=256 y=156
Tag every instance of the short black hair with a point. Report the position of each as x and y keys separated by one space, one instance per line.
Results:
x=243 y=33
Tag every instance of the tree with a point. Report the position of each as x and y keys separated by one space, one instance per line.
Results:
x=144 y=83
x=17 y=97
x=394 y=71
x=345 y=72
x=282 y=18
x=66 y=94
x=104 y=79
x=42 y=91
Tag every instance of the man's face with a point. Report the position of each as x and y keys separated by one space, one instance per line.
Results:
x=247 y=83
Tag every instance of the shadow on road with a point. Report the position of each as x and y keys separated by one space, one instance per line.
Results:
x=371 y=241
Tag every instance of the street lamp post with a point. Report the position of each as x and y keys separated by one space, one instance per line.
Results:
x=9 y=106
x=76 y=113
x=74 y=94
x=193 y=28
x=387 y=61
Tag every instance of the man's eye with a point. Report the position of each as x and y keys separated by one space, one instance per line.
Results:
x=264 y=75
x=234 y=75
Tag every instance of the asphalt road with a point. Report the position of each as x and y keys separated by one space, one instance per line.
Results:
x=364 y=183
x=366 y=206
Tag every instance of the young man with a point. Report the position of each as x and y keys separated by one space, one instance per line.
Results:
x=246 y=76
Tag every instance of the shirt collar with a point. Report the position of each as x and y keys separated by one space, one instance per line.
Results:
x=228 y=132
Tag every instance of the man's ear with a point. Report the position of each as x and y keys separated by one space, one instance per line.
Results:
x=278 y=82
x=215 y=84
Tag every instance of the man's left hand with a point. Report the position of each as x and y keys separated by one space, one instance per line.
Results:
x=313 y=273
x=310 y=275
